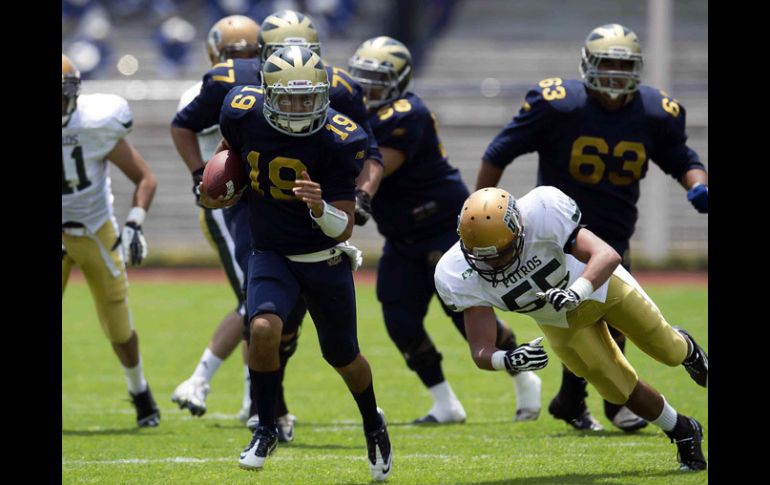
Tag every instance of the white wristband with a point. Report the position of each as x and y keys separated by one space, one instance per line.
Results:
x=332 y=222
x=582 y=287
x=136 y=214
x=498 y=360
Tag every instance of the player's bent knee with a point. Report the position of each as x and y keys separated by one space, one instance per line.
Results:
x=117 y=321
x=339 y=355
x=265 y=327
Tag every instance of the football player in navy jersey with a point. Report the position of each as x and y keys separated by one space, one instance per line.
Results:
x=287 y=27
x=233 y=50
x=594 y=138
x=301 y=157
x=416 y=210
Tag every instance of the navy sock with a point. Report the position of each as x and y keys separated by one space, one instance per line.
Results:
x=367 y=406
x=264 y=387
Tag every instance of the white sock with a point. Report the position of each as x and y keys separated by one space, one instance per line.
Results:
x=667 y=419
x=443 y=395
x=246 y=387
x=527 y=386
x=208 y=365
x=135 y=378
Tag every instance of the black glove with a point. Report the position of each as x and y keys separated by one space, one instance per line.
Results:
x=530 y=356
x=363 y=208
x=197 y=177
x=561 y=298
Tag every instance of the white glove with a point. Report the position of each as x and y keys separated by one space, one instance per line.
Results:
x=132 y=239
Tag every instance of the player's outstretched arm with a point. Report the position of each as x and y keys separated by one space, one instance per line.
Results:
x=367 y=183
x=481 y=329
x=489 y=175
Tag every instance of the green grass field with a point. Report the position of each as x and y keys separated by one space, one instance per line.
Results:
x=100 y=443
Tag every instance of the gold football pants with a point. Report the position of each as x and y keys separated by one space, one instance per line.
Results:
x=109 y=292
x=589 y=351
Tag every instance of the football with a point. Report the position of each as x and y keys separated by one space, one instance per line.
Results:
x=224 y=175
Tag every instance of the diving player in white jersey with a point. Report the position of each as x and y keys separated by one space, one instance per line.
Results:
x=93 y=131
x=532 y=256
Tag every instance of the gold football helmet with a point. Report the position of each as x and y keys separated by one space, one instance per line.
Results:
x=296 y=89
x=612 y=42
x=286 y=28
x=233 y=36
x=383 y=67
x=70 y=88
x=491 y=234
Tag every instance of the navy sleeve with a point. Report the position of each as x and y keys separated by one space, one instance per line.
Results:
x=203 y=111
x=523 y=133
x=338 y=179
x=671 y=152
x=347 y=97
x=402 y=130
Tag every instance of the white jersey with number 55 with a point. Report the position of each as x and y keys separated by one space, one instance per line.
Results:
x=549 y=217
x=96 y=126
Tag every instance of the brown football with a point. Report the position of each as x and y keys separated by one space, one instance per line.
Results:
x=224 y=174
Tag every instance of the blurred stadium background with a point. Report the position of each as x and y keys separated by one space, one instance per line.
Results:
x=475 y=61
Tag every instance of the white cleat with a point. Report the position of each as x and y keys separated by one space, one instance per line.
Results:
x=191 y=394
x=527 y=386
x=629 y=422
x=263 y=443
x=379 y=452
x=243 y=414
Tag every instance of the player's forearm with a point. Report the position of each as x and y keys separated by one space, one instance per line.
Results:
x=488 y=176
x=692 y=177
x=186 y=143
x=369 y=178
x=600 y=266
x=145 y=191
x=481 y=331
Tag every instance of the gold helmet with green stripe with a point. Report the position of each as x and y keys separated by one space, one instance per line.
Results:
x=612 y=61
x=232 y=36
x=285 y=28
x=296 y=89
x=383 y=67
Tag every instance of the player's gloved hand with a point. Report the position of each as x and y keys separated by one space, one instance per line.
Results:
x=132 y=239
x=559 y=298
x=363 y=208
x=698 y=195
x=134 y=244
x=197 y=177
x=530 y=356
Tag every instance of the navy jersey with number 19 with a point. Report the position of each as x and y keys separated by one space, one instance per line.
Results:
x=273 y=160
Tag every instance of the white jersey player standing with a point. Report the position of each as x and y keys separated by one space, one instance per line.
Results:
x=93 y=131
x=532 y=256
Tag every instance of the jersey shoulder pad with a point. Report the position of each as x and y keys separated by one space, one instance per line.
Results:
x=555 y=94
x=106 y=111
x=456 y=283
x=342 y=133
x=550 y=214
x=241 y=100
x=401 y=112
x=658 y=105
x=189 y=95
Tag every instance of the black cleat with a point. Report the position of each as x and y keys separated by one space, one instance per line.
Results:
x=697 y=364
x=689 y=452
x=147 y=412
x=379 y=451
x=582 y=419
x=262 y=444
